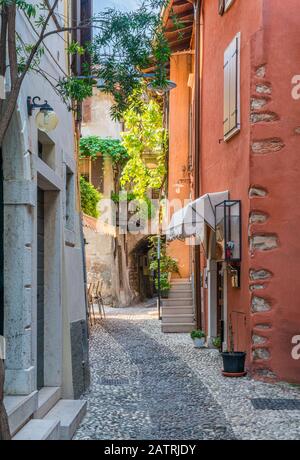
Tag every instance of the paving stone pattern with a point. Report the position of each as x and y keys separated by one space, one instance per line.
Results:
x=149 y=385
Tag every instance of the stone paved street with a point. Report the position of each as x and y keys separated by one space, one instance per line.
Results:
x=147 y=385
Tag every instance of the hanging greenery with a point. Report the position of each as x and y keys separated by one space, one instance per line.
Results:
x=144 y=134
x=91 y=146
x=90 y=198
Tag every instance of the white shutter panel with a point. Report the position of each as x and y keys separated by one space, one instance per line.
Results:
x=226 y=119
x=233 y=76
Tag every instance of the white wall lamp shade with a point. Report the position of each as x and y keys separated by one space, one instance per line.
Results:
x=46 y=120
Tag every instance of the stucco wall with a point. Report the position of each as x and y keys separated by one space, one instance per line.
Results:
x=258 y=166
x=179 y=149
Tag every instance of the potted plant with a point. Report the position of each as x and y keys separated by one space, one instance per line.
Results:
x=165 y=285
x=217 y=343
x=199 y=338
x=233 y=361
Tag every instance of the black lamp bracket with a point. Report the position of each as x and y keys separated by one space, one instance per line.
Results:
x=33 y=103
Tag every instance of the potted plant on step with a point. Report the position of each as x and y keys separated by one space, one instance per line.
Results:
x=233 y=361
x=199 y=338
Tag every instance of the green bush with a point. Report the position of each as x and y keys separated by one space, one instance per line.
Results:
x=90 y=198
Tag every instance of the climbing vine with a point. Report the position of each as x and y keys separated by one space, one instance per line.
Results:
x=91 y=146
x=144 y=136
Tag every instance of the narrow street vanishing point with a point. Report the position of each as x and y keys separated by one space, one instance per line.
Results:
x=146 y=385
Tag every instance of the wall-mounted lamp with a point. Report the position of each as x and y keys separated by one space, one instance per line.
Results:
x=46 y=119
x=161 y=90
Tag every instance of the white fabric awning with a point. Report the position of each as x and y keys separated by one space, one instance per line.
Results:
x=190 y=221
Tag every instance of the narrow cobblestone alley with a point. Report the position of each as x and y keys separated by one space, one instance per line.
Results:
x=147 y=385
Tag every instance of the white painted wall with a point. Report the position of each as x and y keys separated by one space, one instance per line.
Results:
x=23 y=171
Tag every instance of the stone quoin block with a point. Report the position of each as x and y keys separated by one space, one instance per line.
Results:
x=255 y=192
x=256 y=275
x=258 y=217
x=256 y=287
x=261 y=354
x=258 y=103
x=264 y=88
x=263 y=327
x=266 y=117
x=260 y=305
x=267 y=146
x=264 y=242
x=261 y=72
x=258 y=339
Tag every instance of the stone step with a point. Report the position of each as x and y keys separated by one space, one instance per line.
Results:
x=189 y=310
x=19 y=410
x=178 y=319
x=180 y=281
x=177 y=302
x=69 y=413
x=183 y=288
x=39 y=430
x=180 y=295
x=177 y=328
x=47 y=398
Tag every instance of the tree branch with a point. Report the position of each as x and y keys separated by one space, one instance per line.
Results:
x=11 y=40
x=3 y=37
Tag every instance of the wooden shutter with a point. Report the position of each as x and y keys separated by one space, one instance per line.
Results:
x=233 y=72
x=226 y=120
x=231 y=87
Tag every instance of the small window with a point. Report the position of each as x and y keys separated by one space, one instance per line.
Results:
x=231 y=119
x=70 y=199
x=46 y=149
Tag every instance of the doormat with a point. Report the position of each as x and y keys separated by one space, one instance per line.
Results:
x=275 y=404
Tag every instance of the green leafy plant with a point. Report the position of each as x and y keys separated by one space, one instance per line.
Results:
x=144 y=134
x=198 y=334
x=91 y=146
x=217 y=343
x=90 y=198
x=168 y=265
x=165 y=285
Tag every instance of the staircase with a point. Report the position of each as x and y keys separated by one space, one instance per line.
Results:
x=178 y=311
x=43 y=416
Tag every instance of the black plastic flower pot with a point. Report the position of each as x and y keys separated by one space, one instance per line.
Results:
x=234 y=363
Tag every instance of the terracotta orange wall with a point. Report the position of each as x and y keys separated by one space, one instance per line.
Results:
x=270 y=56
x=179 y=147
x=225 y=166
x=278 y=173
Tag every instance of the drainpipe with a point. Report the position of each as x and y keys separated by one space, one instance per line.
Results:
x=197 y=155
x=1 y=247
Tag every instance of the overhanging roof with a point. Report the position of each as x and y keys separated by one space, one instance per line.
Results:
x=179 y=39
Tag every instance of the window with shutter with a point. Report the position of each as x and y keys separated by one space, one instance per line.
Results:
x=228 y=4
x=232 y=89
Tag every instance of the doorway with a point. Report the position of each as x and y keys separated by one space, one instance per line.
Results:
x=220 y=301
x=40 y=287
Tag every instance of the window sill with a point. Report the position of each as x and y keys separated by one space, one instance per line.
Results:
x=232 y=133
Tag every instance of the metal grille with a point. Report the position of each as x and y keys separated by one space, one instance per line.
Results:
x=114 y=381
x=276 y=404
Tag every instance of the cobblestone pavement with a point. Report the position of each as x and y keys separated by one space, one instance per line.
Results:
x=149 y=385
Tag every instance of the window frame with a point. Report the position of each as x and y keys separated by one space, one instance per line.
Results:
x=237 y=128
